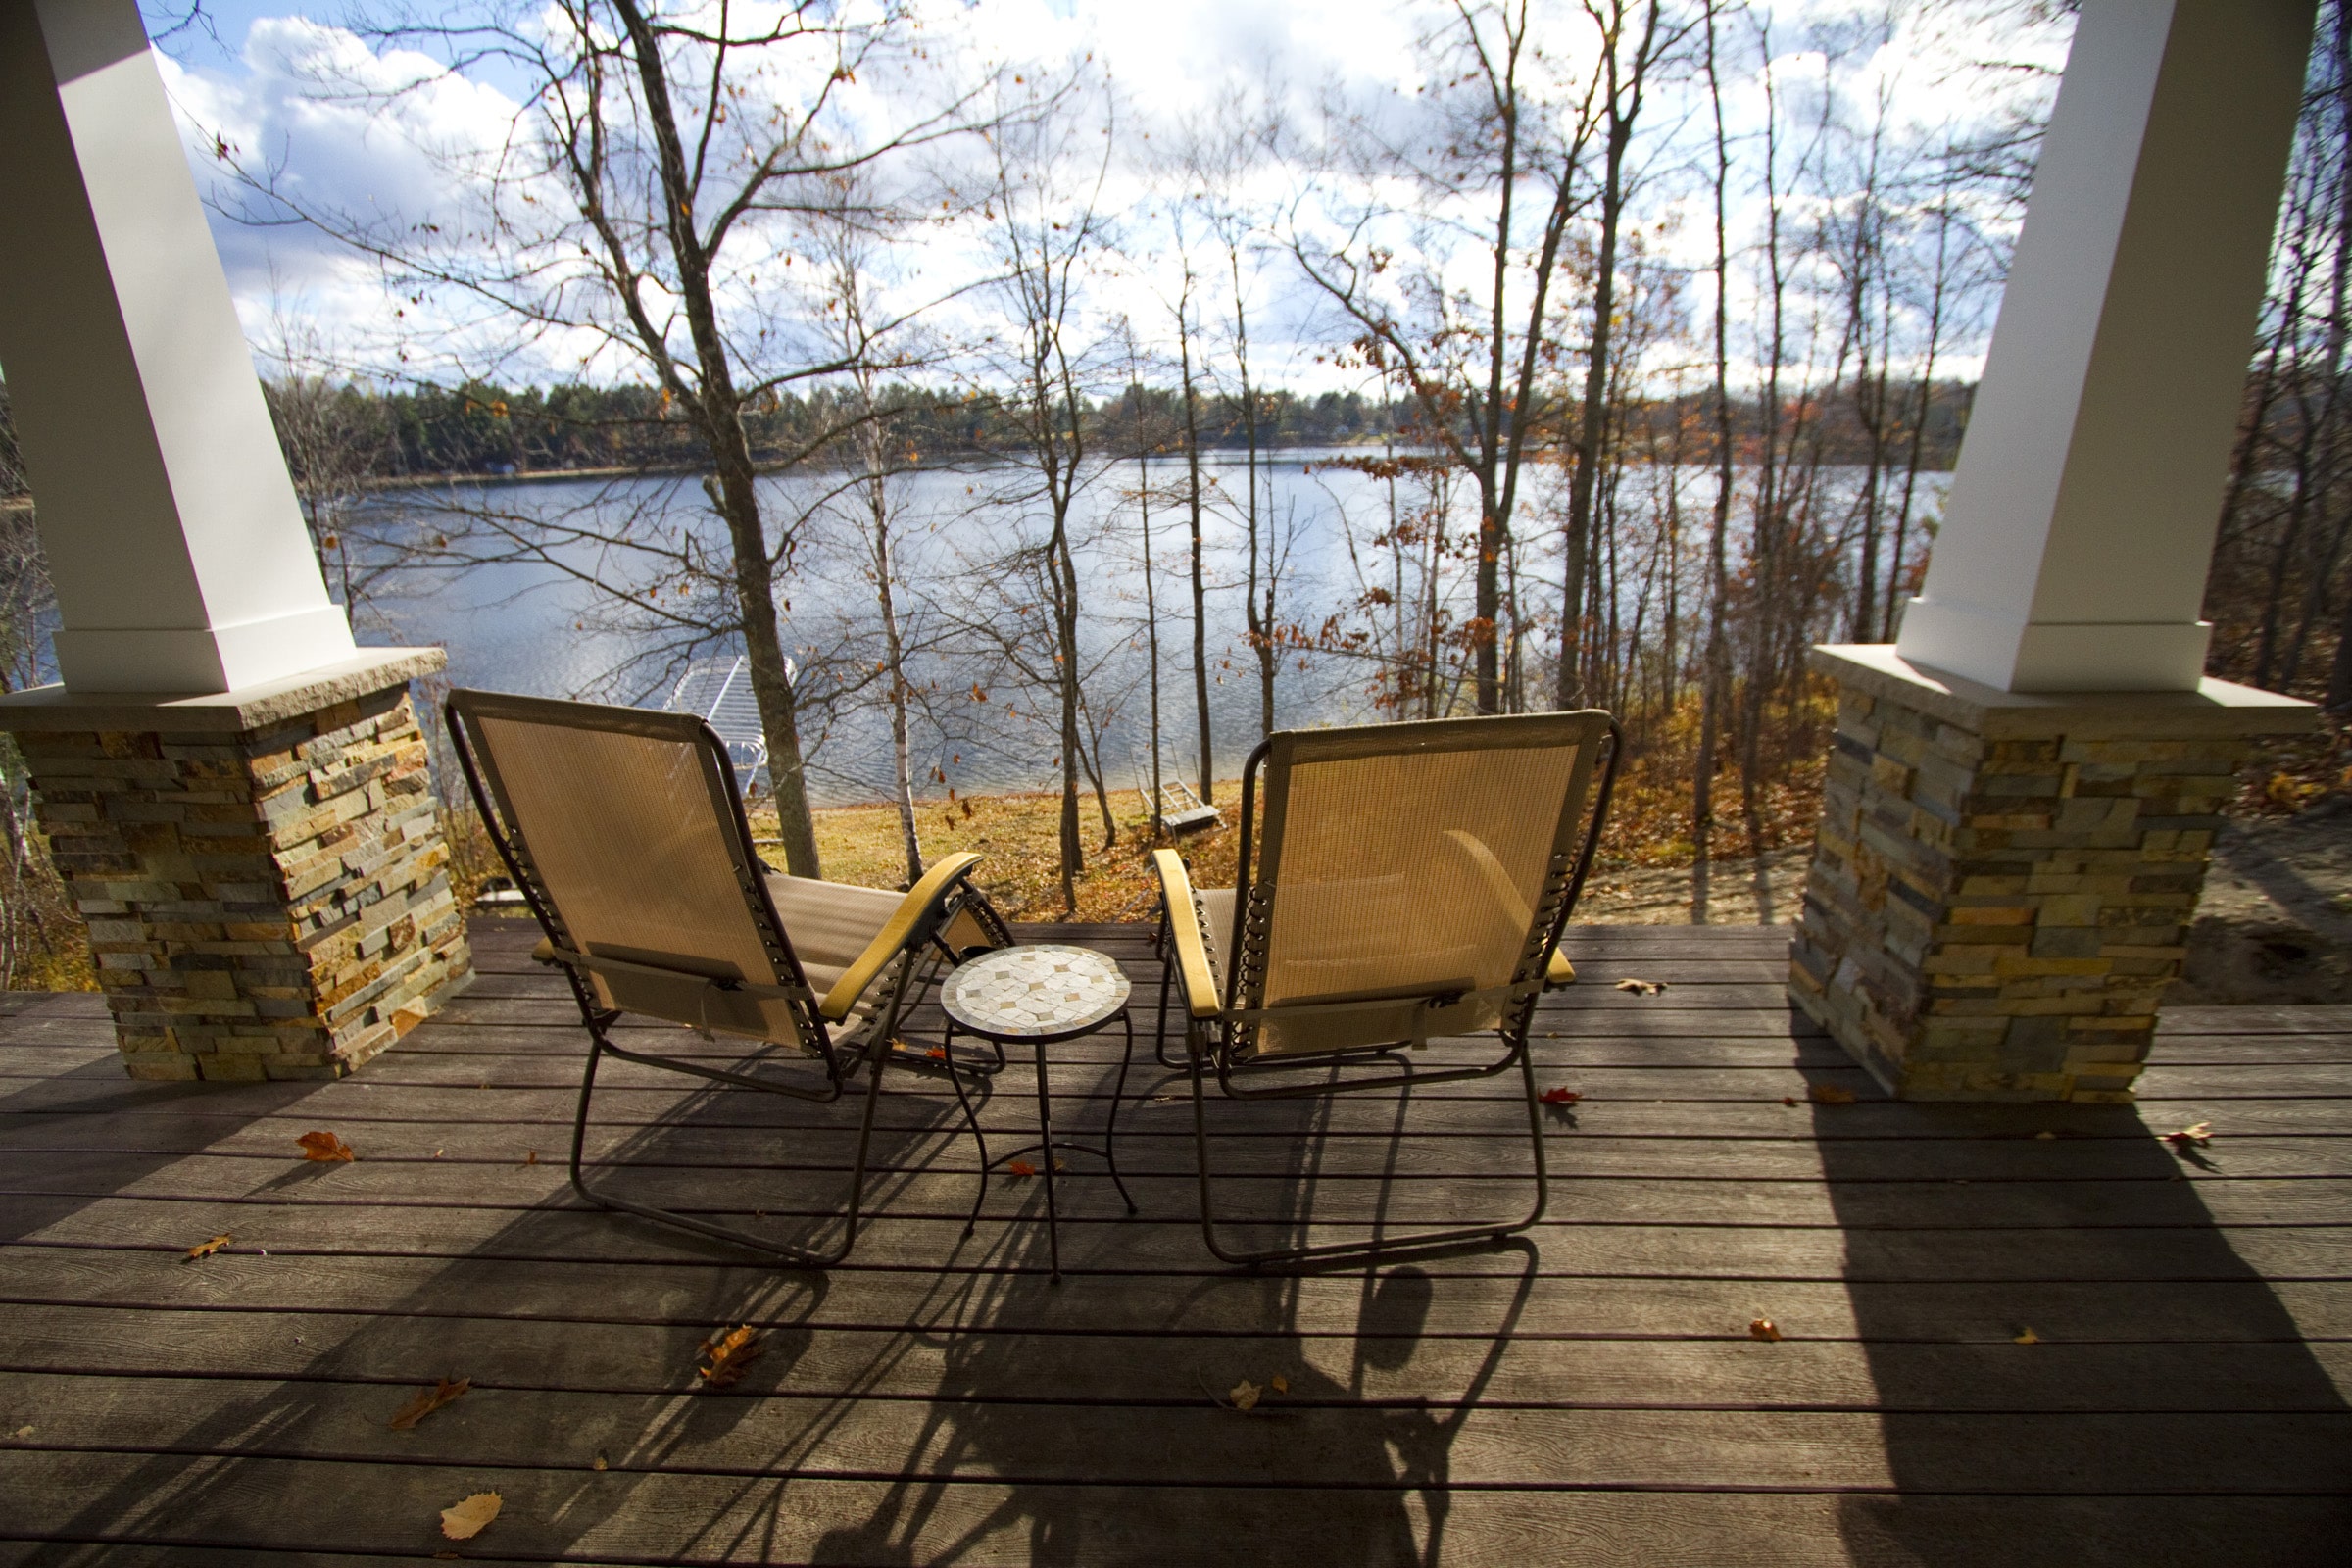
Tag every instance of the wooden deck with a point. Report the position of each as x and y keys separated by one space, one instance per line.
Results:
x=1590 y=1395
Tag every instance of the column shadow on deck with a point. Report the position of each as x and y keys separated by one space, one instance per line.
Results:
x=2165 y=1406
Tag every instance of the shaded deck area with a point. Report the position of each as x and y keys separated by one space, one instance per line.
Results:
x=1589 y=1394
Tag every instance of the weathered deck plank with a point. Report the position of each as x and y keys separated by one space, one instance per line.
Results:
x=1589 y=1394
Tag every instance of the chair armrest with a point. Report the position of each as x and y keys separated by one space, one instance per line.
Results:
x=1559 y=971
x=1184 y=930
x=925 y=895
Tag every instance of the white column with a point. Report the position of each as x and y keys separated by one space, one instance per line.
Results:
x=173 y=532
x=2074 y=545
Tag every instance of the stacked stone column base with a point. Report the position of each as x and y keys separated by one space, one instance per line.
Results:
x=2003 y=883
x=262 y=874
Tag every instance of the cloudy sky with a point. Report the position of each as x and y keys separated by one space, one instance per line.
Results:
x=250 y=76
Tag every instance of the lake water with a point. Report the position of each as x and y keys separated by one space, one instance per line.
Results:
x=537 y=627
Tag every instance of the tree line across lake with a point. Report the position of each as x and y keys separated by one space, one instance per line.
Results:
x=480 y=430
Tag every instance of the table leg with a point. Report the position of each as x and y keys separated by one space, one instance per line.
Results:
x=1045 y=1127
x=1110 y=1133
x=947 y=1047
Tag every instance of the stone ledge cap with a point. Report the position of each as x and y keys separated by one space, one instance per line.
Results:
x=370 y=670
x=2217 y=708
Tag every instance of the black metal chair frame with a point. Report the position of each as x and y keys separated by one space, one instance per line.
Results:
x=1212 y=1043
x=924 y=940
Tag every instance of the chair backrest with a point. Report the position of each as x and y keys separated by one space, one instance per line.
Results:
x=624 y=829
x=1408 y=862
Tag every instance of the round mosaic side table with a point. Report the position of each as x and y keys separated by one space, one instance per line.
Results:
x=1040 y=996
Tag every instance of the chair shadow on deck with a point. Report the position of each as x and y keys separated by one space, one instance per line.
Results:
x=2072 y=1365
x=946 y=1363
x=1326 y=1468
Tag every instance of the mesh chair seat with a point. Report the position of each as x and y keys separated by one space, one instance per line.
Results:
x=1410 y=882
x=1216 y=931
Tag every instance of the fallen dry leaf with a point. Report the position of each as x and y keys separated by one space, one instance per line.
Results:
x=1763 y=1328
x=2045 y=1135
x=531 y=1157
x=599 y=1463
x=1278 y=1383
x=324 y=1147
x=1829 y=1095
x=1061 y=1164
x=1244 y=1395
x=428 y=1401
x=437 y=1153
x=1788 y=1100
x=466 y=1521
x=2199 y=1135
x=208 y=1248
x=23 y=1432
x=1020 y=1170
x=2028 y=1337
x=1559 y=1096
x=731 y=1352
x=1641 y=988
x=937 y=1053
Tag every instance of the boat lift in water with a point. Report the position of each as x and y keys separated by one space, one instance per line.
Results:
x=718 y=690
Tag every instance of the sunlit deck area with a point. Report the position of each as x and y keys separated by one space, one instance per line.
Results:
x=1590 y=1392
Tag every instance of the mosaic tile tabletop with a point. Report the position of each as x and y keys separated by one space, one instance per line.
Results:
x=1042 y=990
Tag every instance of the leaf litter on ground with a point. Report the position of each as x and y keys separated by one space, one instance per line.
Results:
x=428 y=1401
x=466 y=1520
x=1829 y=1095
x=322 y=1145
x=730 y=1351
x=1641 y=988
x=1763 y=1328
x=1559 y=1096
x=207 y=1249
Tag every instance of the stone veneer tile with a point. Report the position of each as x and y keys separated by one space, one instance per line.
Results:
x=1993 y=919
x=271 y=903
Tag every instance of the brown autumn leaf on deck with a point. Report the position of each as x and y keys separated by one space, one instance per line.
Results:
x=466 y=1520
x=1020 y=1170
x=2027 y=1337
x=1244 y=1395
x=1278 y=1383
x=208 y=1248
x=1559 y=1096
x=324 y=1147
x=1829 y=1095
x=428 y=1401
x=731 y=1352
x=1763 y=1328
x=1641 y=988
x=2197 y=1135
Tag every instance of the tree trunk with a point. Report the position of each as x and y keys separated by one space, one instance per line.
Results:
x=733 y=490
x=1191 y=462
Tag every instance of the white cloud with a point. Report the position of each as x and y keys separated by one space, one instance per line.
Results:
x=415 y=148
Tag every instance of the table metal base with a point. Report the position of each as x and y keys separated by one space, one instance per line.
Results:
x=1046 y=1148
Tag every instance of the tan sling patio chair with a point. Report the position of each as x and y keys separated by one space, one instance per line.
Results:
x=1409 y=882
x=626 y=834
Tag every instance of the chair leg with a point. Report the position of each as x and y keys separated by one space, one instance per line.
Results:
x=798 y=1257
x=1168 y=979
x=1380 y=1247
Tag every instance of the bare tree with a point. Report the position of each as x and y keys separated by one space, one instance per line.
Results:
x=1503 y=120
x=1624 y=80
x=1047 y=230
x=650 y=180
